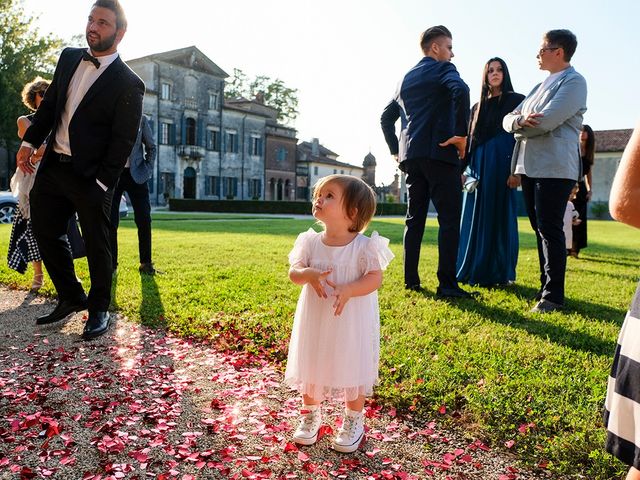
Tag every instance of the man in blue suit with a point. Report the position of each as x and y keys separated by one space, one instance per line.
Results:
x=432 y=103
x=133 y=180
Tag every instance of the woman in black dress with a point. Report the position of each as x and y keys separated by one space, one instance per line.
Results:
x=583 y=197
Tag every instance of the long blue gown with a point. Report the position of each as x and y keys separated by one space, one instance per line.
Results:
x=488 y=251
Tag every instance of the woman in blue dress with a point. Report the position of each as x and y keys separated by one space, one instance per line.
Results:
x=488 y=250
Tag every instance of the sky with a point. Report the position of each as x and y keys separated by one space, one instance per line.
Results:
x=346 y=57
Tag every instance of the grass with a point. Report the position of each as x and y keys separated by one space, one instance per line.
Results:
x=501 y=372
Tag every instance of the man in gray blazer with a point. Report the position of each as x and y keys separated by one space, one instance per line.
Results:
x=133 y=180
x=546 y=157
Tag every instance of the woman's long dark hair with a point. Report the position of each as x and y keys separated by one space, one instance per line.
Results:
x=590 y=147
x=506 y=87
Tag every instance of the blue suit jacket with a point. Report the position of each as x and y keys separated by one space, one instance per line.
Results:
x=141 y=162
x=432 y=102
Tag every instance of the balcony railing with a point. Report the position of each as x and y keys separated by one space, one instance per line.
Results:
x=191 y=103
x=192 y=152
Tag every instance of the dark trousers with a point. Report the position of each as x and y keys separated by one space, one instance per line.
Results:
x=58 y=192
x=546 y=200
x=439 y=182
x=139 y=198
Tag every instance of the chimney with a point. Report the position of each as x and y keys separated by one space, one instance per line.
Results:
x=260 y=97
x=315 y=147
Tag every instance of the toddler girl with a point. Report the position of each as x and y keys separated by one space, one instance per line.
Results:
x=335 y=342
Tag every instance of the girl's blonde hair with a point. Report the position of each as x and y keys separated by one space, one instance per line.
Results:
x=36 y=87
x=358 y=199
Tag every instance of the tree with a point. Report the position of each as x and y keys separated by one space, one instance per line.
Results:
x=274 y=92
x=24 y=54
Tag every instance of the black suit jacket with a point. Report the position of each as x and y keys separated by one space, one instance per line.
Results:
x=432 y=103
x=103 y=128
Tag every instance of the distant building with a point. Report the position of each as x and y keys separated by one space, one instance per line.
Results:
x=314 y=161
x=609 y=147
x=208 y=148
x=279 y=152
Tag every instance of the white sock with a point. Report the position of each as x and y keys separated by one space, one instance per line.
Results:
x=352 y=413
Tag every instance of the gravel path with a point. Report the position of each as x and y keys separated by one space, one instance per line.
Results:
x=138 y=403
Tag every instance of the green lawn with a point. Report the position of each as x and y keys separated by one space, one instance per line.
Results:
x=504 y=373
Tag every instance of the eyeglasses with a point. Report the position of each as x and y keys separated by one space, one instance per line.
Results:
x=544 y=49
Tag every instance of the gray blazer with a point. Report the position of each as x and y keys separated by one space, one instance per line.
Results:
x=552 y=149
x=141 y=163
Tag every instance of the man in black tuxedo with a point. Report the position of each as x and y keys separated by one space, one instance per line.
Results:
x=92 y=110
x=432 y=102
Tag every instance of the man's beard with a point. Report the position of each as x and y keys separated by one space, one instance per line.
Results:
x=103 y=44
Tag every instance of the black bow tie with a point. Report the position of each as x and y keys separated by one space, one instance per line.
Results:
x=86 y=56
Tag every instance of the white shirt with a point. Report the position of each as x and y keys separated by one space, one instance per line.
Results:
x=526 y=110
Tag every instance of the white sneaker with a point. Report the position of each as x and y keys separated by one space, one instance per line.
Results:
x=351 y=432
x=307 y=431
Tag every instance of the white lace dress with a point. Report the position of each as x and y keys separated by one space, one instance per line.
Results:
x=336 y=356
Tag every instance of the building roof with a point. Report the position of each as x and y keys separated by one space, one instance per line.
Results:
x=322 y=150
x=253 y=106
x=190 y=57
x=612 y=140
x=304 y=153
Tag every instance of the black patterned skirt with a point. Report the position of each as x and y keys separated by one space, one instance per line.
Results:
x=22 y=244
x=622 y=405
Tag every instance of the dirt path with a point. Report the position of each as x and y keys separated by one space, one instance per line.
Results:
x=138 y=403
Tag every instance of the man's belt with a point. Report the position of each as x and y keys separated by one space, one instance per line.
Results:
x=62 y=158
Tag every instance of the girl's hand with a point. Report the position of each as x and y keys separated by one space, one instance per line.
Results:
x=315 y=278
x=342 y=293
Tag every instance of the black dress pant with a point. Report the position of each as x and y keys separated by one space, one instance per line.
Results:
x=58 y=192
x=139 y=198
x=546 y=200
x=439 y=182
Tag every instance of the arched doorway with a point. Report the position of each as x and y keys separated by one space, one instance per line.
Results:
x=279 y=189
x=189 y=183
x=272 y=189
x=287 y=189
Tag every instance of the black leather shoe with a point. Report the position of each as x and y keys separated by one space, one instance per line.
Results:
x=415 y=288
x=147 y=268
x=545 y=306
x=97 y=324
x=62 y=311
x=453 y=293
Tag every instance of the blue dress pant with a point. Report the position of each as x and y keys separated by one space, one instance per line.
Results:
x=439 y=182
x=139 y=197
x=546 y=200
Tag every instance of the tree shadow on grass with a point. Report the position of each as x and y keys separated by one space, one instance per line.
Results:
x=623 y=262
x=543 y=326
